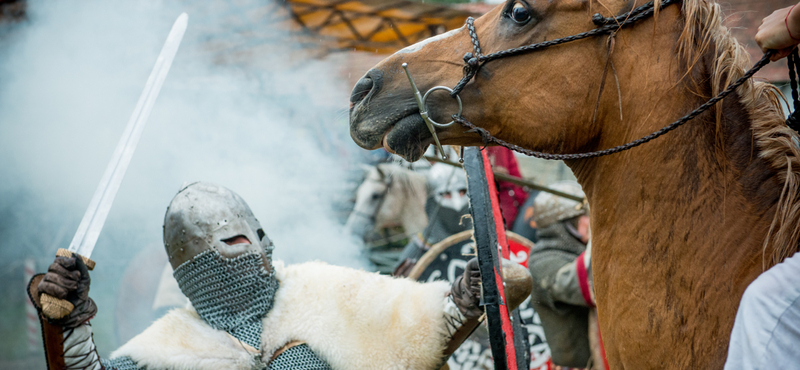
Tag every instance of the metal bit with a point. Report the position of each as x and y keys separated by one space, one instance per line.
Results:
x=423 y=112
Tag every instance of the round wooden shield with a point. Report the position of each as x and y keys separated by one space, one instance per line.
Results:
x=445 y=261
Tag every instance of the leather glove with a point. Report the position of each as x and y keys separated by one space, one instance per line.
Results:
x=466 y=291
x=68 y=279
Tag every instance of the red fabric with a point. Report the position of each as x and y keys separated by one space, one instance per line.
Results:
x=519 y=253
x=508 y=330
x=511 y=196
x=583 y=280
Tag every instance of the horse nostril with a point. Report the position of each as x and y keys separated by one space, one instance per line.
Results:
x=362 y=88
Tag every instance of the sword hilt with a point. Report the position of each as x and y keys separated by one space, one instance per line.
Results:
x=53 y=307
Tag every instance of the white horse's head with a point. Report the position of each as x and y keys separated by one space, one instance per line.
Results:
x=389 y=196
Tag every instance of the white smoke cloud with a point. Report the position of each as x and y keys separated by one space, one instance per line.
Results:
x=240 y=108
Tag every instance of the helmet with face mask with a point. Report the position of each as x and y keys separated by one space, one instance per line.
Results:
x=448 y=186
x=221 y=259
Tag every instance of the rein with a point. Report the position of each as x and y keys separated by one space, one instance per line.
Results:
x=474 y=61
x=373 y=217
x=488 y=138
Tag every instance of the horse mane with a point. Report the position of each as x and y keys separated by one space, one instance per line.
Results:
x=778 y=144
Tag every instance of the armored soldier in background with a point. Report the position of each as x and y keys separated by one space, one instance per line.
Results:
x=446 y=207
x=250 y=312
x=561 y=270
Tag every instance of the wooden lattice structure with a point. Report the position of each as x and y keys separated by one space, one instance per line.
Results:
x=381 y=26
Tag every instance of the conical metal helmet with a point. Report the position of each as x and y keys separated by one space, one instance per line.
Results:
x=203 y=216
x=549 y=208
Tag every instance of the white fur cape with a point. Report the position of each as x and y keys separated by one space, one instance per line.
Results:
x=350 y=318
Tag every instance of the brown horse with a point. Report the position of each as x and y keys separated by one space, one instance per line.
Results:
x=681 y=225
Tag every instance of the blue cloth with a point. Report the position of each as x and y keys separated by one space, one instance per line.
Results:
x=766 y=333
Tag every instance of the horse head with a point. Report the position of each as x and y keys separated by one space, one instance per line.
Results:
x=723 y=188
x=543 y=100
x=389 y=196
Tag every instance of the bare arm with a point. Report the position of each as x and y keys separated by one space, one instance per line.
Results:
x=780 y=31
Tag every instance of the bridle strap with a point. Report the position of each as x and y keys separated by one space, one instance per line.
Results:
x=474 y=61
x=489 y=139
x=609 y=63
x=372 y=217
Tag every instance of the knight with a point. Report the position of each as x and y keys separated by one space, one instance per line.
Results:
x=446 y=207
x=249 y=311
x=560 y=266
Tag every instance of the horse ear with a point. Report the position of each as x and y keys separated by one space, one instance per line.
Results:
x=380 y=172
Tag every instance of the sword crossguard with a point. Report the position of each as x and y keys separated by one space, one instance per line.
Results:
x=53 y=307
x=61 y=252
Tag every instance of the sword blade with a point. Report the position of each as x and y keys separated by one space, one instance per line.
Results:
x=95 y=217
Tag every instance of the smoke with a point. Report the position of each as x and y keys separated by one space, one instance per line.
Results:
x=242 y=107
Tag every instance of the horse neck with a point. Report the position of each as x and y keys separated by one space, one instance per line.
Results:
x=698 y=196
x=678 y=224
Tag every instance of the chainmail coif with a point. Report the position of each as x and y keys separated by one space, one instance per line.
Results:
x=231 y=294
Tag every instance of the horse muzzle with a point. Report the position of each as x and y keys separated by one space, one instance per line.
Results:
x=365 y=130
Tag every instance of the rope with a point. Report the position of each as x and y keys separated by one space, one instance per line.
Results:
x=488 y=138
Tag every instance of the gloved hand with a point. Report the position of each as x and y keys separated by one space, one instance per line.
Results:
x=466 y=291
x=68 y=279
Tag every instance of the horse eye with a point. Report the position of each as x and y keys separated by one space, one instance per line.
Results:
x=520 y=13
x=376 y=196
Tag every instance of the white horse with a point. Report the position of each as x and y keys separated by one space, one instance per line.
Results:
x=390 y=196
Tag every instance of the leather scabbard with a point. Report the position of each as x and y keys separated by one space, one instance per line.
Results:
x=52 y=335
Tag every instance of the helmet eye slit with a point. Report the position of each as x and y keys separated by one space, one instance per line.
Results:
x=238 y=239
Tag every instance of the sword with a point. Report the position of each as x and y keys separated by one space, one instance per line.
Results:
x=95 y=217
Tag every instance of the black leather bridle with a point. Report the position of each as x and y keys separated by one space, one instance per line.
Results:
x=474 y=61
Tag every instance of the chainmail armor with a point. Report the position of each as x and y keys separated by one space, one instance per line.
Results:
x=299 y=357
x=229 y=294
x=119 y=363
